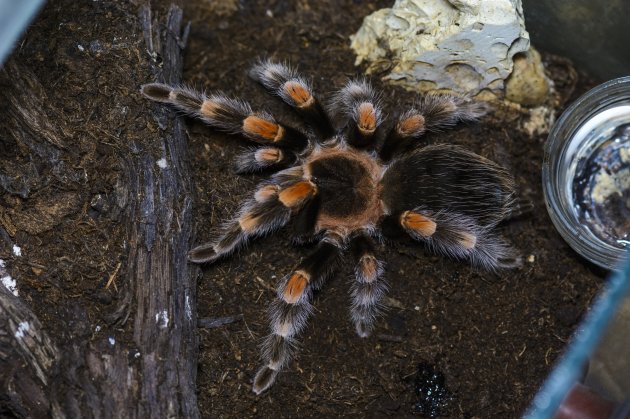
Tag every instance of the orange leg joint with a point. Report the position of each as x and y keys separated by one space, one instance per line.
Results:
x=418 y=223
x=295 y=287
x=297 y=193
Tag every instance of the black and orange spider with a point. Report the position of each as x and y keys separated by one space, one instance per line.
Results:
x=347 y=180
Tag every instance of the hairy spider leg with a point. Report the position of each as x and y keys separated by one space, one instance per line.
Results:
x=270 y=209
x=264 y=158
x=360 y=107
x=292 y=308
x=461 y=237
x=305 y=221
x=286 y=83
x=453 y=234
x=433 y=111
x=233 y=116
x=367 y=289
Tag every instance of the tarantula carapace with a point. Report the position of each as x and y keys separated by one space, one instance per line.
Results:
x=347 y=179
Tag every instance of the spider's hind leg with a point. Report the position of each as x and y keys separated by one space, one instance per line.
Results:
x=458 y=236
x=368 y=288
x=292 y=308
x=452 y=200
x=520 y=208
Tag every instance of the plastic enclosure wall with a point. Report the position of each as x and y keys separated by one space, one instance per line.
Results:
x=15 y=15
x=592 y=33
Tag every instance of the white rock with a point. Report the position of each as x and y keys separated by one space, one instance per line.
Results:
x=539 y=120
x=464 y=46
x=10 y=284
x=162 y=163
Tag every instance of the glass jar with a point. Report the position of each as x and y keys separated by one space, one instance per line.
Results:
x=586 y=173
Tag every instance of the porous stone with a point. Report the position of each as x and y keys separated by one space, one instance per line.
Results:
x=463 y=46
x=527 y=84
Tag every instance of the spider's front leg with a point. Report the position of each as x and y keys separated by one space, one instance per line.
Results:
x=256 y=160
x=359 y=107
x=270 y=209
x=292 y=308
x=284 y=82
x=233 y=116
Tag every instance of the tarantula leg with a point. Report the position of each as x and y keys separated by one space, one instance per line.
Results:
x=442 y=110
x=256 y=218
x=367 y=289
x=417 y=224
x=270 y=209
x=305 y=221
x=360 y=105
x=292 y=308
x=458 y=236
x=283 y=81
x=264 y=158
x=409 y=127
x=432 y=112
x=226 y=114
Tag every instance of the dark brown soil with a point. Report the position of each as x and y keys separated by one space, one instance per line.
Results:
x=493 y=336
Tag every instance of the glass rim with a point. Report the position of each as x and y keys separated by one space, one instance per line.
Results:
x=575 y=233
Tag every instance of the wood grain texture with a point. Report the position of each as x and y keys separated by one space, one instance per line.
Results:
x=154 y=373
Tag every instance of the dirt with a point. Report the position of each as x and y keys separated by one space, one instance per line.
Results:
x=494 y=337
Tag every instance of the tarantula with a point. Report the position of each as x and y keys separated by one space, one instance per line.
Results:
x=345 y=180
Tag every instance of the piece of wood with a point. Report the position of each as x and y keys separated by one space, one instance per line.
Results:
x=154 y=374
x=27 y=357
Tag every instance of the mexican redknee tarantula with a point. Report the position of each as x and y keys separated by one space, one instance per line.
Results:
x=346 y=180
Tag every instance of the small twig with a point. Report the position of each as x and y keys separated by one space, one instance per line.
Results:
x=392 y=302
x=35 y=265
x=390 y=338
x=213 y=322
x=248 y=330
x=522 y=352
x=265 y=284
x=113 y=276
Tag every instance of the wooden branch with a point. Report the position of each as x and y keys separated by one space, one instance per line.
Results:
x=159 y=280
x=27 y=357
x=166 y=319
x=154 y=374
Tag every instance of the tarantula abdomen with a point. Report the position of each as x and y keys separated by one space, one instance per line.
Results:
x=447 y=177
